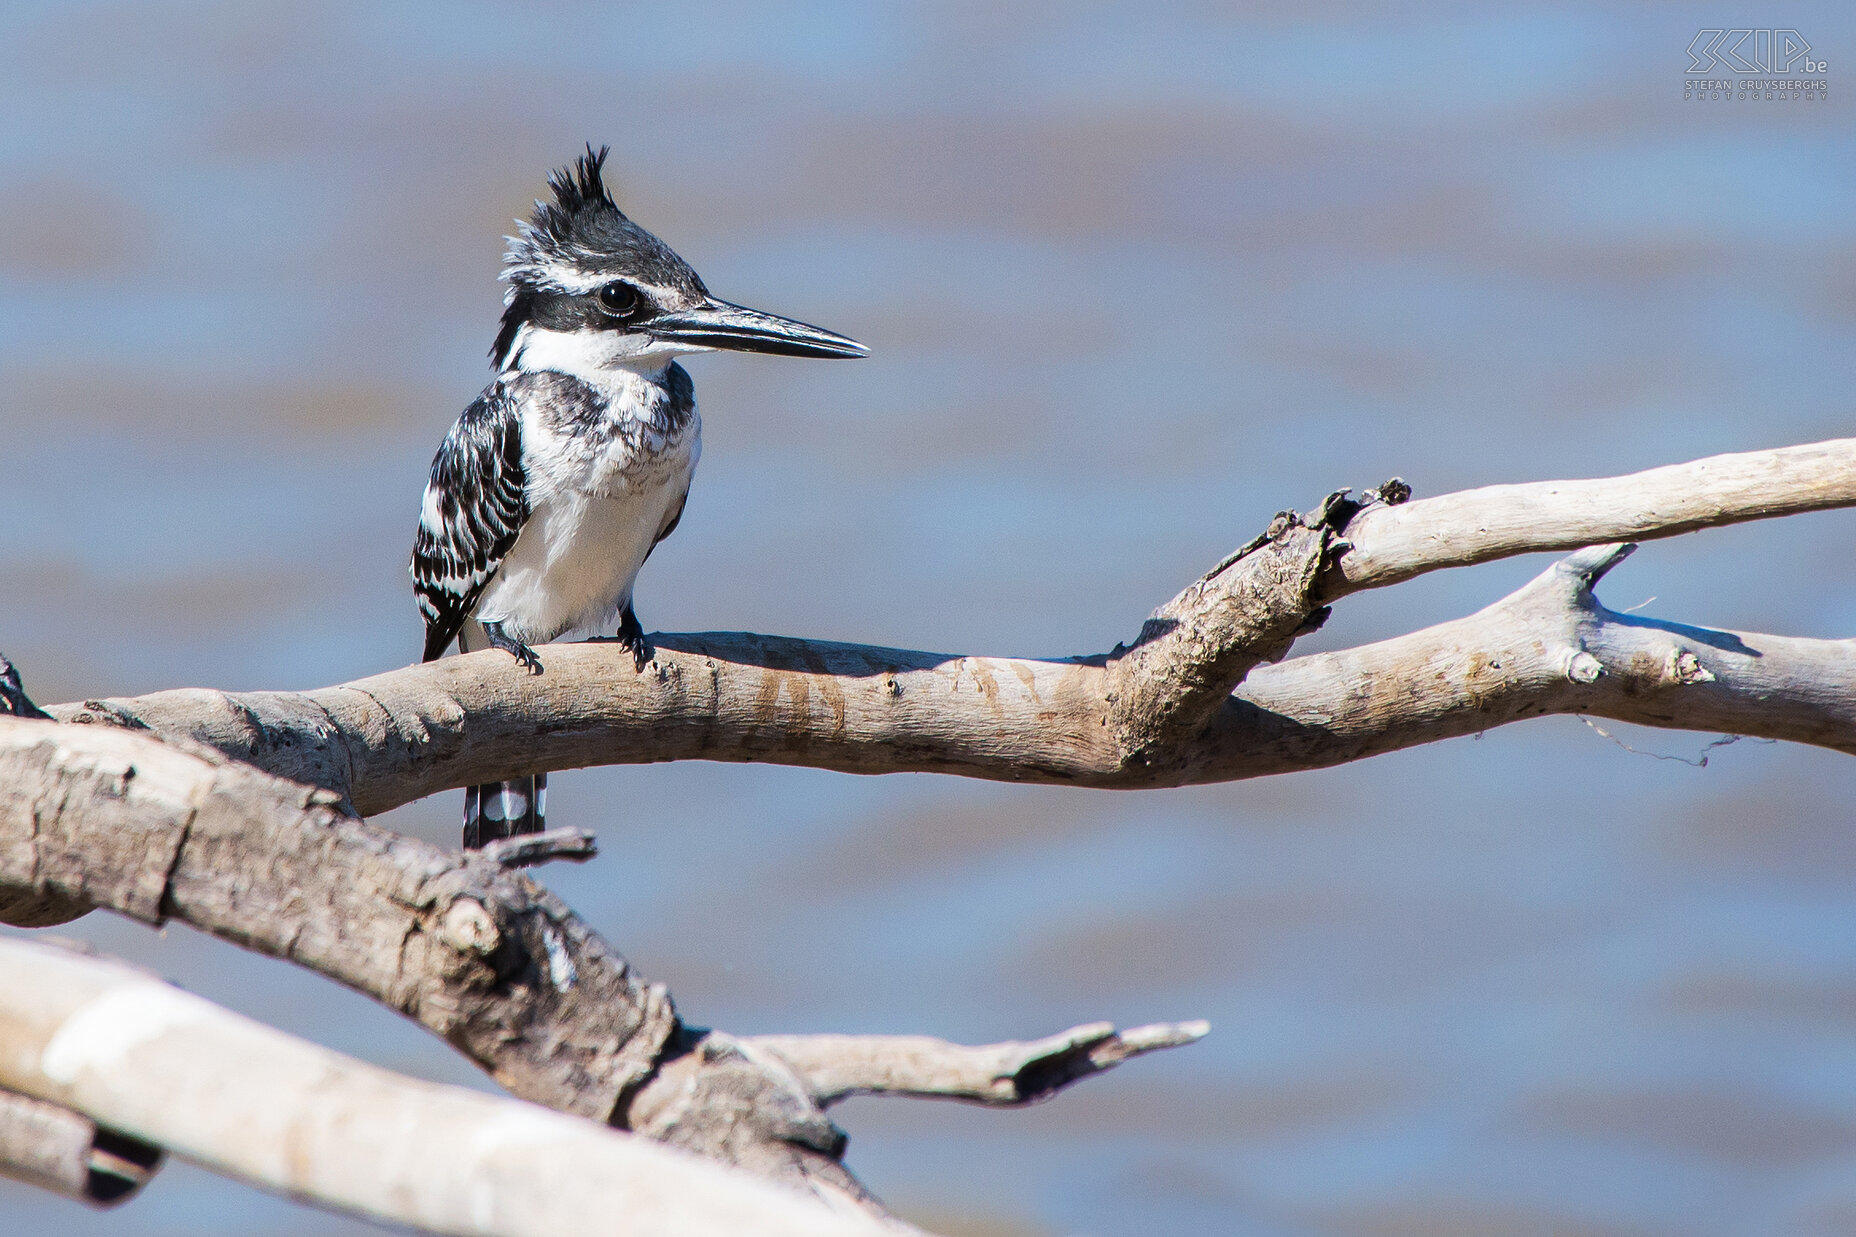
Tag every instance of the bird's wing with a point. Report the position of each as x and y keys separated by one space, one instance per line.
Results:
x=670 y=525
x=475 y=505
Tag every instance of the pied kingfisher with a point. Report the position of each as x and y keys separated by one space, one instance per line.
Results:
x=558 y=481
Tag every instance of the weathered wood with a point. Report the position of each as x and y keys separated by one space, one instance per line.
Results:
x=859 y=709
x=104 y=817
x=528 y=850
x=482 y=956
x=67 y=1153
x=834 y=1067
x=1551 y=647
x=721 y=1097
x=705 y=1098
x=1159 y=714
x=1246 y=611
x=1395 y=543
x=265 y=1107
x=866 y=710
x=186 y=821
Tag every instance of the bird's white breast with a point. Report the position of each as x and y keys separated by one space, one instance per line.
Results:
x=604 y=476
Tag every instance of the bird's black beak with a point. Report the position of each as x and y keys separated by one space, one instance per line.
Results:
x=719 y=325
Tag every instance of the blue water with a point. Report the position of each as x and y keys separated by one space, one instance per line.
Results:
x=1133 y=282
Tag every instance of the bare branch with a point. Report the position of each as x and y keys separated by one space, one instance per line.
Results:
x=529 y=849
x=67 y=1153
x=482 y=956
x=1159 y=714
x=98 y=816
x=836 y=1066
x=1551 y=647
x=265 y=1107
x=1395 y=543
x=95 y=815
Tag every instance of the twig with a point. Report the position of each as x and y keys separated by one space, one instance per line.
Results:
x=530 y=849
x=836 y=1066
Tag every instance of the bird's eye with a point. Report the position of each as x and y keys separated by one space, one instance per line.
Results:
x=621 y=301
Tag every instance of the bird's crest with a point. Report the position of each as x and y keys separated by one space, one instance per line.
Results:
x=579 y=187
x=554 y=246
x=581 y=239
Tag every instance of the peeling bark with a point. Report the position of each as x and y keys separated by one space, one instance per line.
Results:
x=482 y=956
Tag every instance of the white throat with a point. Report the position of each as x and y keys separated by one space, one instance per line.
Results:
x=601 y=359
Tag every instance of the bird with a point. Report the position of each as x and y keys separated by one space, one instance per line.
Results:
x=558 y=481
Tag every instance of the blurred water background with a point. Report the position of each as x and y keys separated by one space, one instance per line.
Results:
x=1135 y=278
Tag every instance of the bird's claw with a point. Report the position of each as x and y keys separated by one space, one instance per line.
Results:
x=524 y=655
x=631 y=638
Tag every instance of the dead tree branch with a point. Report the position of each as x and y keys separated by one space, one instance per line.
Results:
x=1551 y=647
x=1393 y=543
x=237 y=813
x=104 y=817
x=484 y=957
x=265 y=1107
x=67 y=1153
x=1158 y=714
x=835 y=1067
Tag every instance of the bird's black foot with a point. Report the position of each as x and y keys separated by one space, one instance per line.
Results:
x=515 y=648
x=631 y=636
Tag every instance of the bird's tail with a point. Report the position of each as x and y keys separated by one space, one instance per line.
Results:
x=504 y=809
x=498 y=809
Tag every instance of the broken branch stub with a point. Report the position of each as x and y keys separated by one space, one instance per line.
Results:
x=834 y=1067
x=56 y=1149
x=1199 y=646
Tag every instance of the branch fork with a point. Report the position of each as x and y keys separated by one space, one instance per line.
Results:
x=1194 y=650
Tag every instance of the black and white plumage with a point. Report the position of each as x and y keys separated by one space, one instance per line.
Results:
x=476 y=504
x=557 y=482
